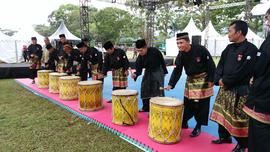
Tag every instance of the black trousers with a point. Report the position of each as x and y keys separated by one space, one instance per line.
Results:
x=118 y=88
x=258 y=136
x=200 y=110
x=146 y=104
x=84 y=76
x=33 y=73
x=223 y=133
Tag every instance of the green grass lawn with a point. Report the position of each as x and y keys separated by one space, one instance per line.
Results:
x=31 y=123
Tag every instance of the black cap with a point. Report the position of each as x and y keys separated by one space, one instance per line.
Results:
x=62 y=35
x=108 y=45
x=33 y=38
x=49 y=46
x=140 y=43
x=183 y=35
x=80 y=45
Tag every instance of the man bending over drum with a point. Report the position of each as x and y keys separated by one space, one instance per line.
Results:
x=200 y=69
x=152 y=60
x=116 y=60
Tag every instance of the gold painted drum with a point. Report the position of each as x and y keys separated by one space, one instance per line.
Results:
x=68 y=87
x=90 y=95
x=43 y=78
x=125 y=107
x=54 y=81
x=165 y=119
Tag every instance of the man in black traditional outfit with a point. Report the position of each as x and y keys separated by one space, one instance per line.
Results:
x=84 y=61
x=152 y=84
x=233 y=74
x=96 y=61
x=116 y=60
x=53 y=58
x=35 y=55
x=258 y=101
x=200 y=69
x=70 y=60
x=61 y=43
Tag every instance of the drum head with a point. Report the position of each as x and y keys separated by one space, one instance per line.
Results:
x=57 y=74
x=92 y=82
x=69 y=77
x=124 y=92
x=166 y=101
x=44 y=71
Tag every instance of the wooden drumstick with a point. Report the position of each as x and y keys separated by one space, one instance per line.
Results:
x=161 y=88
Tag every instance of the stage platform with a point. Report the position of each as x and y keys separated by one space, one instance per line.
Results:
x=137 y=134
x=21 y=70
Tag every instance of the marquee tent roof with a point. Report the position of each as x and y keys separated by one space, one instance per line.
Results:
x=62 y=29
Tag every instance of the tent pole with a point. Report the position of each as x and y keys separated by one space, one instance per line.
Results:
x=16 y=51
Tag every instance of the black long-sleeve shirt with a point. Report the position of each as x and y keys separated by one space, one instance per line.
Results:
x=53 y=58
x=96 y=57
x=35 y=49
x=152 y=61
x=259 y=95
x=116 y=60
x=195 y=61
x=236 y=64
x=70 y=59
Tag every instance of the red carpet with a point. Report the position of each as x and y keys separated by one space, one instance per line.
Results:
x=137 y=133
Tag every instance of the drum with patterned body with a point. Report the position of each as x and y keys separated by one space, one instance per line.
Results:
x=165 y=119
x=68 y=87
x=90 y=95
x=54 y=81
x=43 y=78
x=125 y=107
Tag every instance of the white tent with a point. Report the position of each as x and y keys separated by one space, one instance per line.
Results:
x=260 y=9
x=62 y=29
x=23 y=37
x=7 y=48
x=192 y=29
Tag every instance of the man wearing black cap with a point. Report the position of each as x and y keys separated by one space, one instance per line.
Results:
x=96 y=61
x=84 y=61
x=61 y=43
x=116 y=60
x=53 y=58
x=152 y=84
x=35 y=55
x=200 y=69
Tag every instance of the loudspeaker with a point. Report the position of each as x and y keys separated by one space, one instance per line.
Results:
x=196 y=40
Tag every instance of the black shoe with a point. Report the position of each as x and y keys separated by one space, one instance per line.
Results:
x=222 y=140
x=33 y=82
x=196 y=132
x=238 y=148
x=109 y=101
x=185 y=125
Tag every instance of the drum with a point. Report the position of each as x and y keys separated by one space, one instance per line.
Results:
x=90 y=95
x=43 y=78
x=54 y=81
x=125 y=107
x=165 y=119
x=68 y=87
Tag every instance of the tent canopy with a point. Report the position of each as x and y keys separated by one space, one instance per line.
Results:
x=26 y=34
x=210 y=31
x=62 y=29
x=192 y=29
x=260 y=9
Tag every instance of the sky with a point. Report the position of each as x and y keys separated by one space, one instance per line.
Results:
x=19 y=14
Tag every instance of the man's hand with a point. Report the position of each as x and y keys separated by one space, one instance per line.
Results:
x=210 y=84
x=168 y=87
x=220 y=83
x=126 y=73
x=133 y=75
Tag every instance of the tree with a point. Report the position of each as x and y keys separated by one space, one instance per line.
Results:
x=112 y=24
